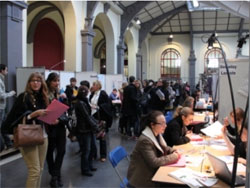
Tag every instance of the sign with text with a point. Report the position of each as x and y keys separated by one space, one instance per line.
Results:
x=232 y=68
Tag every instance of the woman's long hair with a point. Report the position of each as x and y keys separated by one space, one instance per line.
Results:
x=43 y=90
x=52 y=76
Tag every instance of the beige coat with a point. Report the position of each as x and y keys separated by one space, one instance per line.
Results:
x=147 y=157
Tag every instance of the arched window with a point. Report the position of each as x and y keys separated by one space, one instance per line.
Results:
x=212 y=59
x=170 y=63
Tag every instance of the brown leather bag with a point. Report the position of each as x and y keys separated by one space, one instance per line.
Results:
x=28 y=134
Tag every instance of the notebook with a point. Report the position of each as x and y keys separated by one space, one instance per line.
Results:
x=222 y=172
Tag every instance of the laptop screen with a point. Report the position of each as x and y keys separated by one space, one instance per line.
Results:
x=221 y=170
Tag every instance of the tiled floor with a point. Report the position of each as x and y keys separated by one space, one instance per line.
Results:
x=13 y=174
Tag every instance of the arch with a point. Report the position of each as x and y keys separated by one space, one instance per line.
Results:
x=170 y=64
x=48 y=45
x=104 y=23
x=41 y=14
x=211 y=60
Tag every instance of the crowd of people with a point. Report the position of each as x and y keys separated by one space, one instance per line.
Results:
x=141 y=109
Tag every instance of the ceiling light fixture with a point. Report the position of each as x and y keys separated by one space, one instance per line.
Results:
x=195 y=3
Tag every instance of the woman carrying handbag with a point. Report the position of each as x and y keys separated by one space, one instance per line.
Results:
x=102 y=110
x=30 y=105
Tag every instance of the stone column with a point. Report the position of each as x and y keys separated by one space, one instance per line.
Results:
x=120 y=57
x=192 y=60
x=87 y=49
x=11 y=20
x=139 y=66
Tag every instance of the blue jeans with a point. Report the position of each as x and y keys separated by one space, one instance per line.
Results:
x=87 y=141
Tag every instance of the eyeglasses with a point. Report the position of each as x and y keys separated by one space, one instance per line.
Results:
x=38 y=81
x=162 y=123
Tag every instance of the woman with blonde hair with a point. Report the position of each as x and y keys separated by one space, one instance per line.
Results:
x=176 y=133
x=32 y=103
x=101 y=109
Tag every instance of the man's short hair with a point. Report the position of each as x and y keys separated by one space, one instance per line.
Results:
x=2 y=67
x=72 y=79
x=131 y=79
x=85 y=83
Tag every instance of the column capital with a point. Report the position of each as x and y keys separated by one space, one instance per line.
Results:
x=87 y=32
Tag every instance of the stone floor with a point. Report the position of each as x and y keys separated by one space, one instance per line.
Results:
x=14 y=172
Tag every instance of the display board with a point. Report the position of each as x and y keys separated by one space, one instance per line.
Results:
x=65 y=79
x=238 y=69
x=102 y=79
x=113 y=81
x=22 y=76
x=89 y=76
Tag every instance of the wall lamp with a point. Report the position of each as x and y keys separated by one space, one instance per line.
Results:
x=242 y=41
x=211 y=41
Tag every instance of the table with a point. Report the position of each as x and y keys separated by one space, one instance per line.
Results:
x=162 y=176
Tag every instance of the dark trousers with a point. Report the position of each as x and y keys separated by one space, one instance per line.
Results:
x=57 y=144
x=87 y=141
x=5 y=138
x=103 y=147
x=133 y=122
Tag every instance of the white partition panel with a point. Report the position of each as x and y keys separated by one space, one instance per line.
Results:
x=89 y=76
x=65 y=79
x=22 y=76
x=113 y=81
x=47 y=72
x=102 y=79
x=238 y=69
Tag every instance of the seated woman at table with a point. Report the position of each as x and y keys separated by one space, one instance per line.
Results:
x=189 y=102
x=150 y=152
x=230 y=130
x=176 y=133
x=242 y=144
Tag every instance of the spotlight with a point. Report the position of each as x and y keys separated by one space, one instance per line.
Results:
x=211 y=41
x=242 y=41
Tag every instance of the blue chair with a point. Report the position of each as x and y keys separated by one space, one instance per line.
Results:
x=169 y=116
x=115 y=156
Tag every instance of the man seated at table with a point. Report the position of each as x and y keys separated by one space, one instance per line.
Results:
x=176 y=133
x=150 y=152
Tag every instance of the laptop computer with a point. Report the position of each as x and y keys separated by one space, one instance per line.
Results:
x=222 y=172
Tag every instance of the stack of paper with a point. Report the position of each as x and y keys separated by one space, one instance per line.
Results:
x=213 y=130
x=192 y=178
x=180 y=163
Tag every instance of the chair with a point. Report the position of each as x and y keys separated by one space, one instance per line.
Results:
x=169 y=116
x=115 y=156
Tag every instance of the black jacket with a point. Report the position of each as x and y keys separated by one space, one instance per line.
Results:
x=175 y=132
x=130 y=101
x=105 y=108
x=155 y=103
x=85 y=122
x=23 y=106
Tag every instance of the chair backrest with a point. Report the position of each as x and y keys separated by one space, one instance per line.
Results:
x=115 y=156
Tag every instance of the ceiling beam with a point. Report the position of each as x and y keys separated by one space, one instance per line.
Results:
x=146 y=27
x=198 y=32
x=166 y=21
x=129 y=13
x=159 y=7
x=228 y=20
x=242 y=20
x=216 y=17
